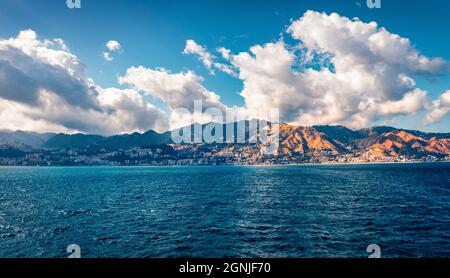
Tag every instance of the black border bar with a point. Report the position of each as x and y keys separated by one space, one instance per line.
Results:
x=162 y=267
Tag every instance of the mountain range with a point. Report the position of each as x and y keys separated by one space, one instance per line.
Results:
x=24 y=140
x=382 y=141
x=377 y=141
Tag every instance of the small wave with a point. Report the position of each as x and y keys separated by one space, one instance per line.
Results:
x=8 y=235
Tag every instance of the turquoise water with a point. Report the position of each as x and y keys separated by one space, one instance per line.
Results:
x=281 y=211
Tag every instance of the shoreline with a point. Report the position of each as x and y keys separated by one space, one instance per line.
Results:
x=228 y=165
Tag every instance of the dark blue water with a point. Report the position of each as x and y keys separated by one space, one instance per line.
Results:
x=292 y=211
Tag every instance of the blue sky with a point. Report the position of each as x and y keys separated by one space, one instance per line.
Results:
x=154 y=33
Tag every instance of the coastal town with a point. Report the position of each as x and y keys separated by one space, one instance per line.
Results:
x=293 y=145
x=172 y=155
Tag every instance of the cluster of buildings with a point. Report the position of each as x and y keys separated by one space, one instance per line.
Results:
x=167 y=155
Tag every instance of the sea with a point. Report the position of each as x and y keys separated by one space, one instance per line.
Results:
x=304 y=211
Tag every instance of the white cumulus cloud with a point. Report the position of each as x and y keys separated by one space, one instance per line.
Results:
x=113 y=45
x=209 y=60
x=353 y=73
x=176 y=90
x=44 y=87
x=107 y=56
x=438 y=109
